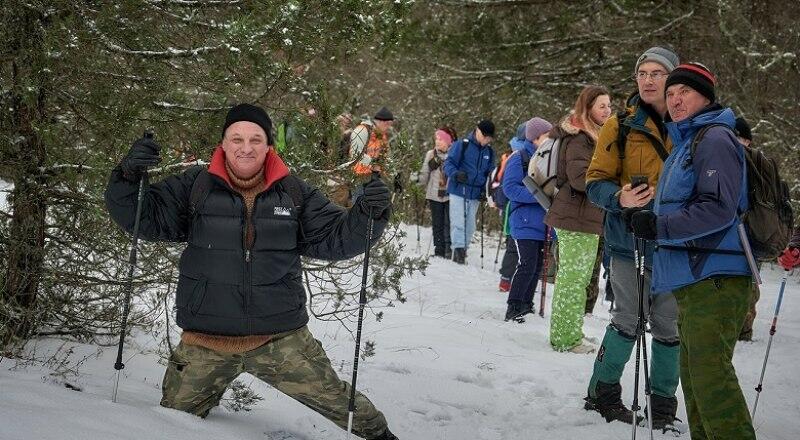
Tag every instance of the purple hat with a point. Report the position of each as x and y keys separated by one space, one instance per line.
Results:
x=535 y=128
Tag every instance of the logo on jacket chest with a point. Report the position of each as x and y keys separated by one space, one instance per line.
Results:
x=283 y=211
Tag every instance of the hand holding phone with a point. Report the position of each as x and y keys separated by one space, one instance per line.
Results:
x=637 y=193
x=638 y=180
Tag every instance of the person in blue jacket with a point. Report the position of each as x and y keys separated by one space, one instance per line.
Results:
x=468 y=165
x=695 y=220
x=526 y=219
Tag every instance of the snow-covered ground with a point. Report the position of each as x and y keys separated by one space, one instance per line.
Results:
x=446 y=367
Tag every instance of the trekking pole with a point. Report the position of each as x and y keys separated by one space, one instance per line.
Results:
x=769 y=344
x=499 y=244
x=642 y=326
x=465 y=221
x=480 y=205
x=546 y=256
x=420 y=212
x=118 y=365
x=362 y=301
x=641 y=344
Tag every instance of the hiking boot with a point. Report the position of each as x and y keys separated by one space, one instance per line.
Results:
x=664 y=409
x=583 y=348
x=527 y=307
x=387 y=435
x=505 y=285
x=460 y=255
x=514 y=310
x=448 y=253
x=609 y=404
x=438 y=252
x=591 y=340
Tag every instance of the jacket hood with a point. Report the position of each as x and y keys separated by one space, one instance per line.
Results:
x=714 y=114
x=517 y=144
x=274 y=168
x=568 y=127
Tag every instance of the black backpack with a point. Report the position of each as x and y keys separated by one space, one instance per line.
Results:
x=769 y=218
x=498 y=195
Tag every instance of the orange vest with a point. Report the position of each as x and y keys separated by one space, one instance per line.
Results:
x=377 y=146
x=503 y=159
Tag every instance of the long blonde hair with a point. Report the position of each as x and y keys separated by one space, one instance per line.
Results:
x=581 y=116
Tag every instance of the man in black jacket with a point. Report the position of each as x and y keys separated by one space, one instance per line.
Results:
x=247 y=221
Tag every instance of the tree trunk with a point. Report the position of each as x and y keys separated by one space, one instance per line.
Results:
x=27 y=202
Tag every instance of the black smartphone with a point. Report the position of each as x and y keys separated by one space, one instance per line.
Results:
x=638 y=179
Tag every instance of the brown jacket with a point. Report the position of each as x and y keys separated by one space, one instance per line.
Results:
x=571 y=209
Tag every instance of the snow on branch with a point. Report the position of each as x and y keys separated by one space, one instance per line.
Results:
x=169 y=52
x=473 y=3
x=197 y=3
x=172 y=105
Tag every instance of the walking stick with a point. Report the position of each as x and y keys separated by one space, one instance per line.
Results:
x=118 y=365
x=480 y=206
x=420 y=211
x=641 y=344
x=544 y=270
x=362 y=301
x=772 y=330
x=465 y=221
x=497 y=254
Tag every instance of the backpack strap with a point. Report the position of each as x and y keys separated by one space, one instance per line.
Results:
x=624 y=130
x=526 y=160
x=291 y=184
x=200 y=189
x=622 y=133
x=464 y=145
x=699 y=136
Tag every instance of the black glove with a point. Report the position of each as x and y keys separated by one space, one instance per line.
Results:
x=398 y=183
x=433 y=163
x=142 y=155
x=643 y=224
x=627 y=214
x=376 y=198
x=461 y=177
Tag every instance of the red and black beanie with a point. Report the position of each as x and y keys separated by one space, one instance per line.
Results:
x=696 y=76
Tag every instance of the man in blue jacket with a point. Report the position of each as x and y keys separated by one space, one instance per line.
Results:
x=695 y=219
x=468 y=165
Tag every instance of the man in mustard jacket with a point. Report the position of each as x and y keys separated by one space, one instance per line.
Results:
x=631 y=148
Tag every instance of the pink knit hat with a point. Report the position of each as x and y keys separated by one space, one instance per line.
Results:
x=445 y=136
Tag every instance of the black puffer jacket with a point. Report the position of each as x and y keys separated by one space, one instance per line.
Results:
x=223 y=288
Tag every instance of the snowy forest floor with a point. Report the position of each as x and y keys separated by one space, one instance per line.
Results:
x=446 y=366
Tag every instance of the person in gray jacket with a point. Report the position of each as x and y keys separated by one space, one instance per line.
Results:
x=434 y=180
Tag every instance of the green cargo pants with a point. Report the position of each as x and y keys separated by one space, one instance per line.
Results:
x=710 y=315
x=292 y=362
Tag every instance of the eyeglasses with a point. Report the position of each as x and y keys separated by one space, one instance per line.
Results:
x=655 y=76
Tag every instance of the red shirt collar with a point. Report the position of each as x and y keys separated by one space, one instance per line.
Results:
x=274 y=168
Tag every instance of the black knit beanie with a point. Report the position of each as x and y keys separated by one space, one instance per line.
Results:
x=249 y=113
x=696 y=76
x=487 y=127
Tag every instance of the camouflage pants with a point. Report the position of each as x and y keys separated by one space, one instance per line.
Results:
x=747 y=329
x=710 y=315
x=292 y=362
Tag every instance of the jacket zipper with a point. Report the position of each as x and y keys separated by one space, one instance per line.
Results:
x=248 y=289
